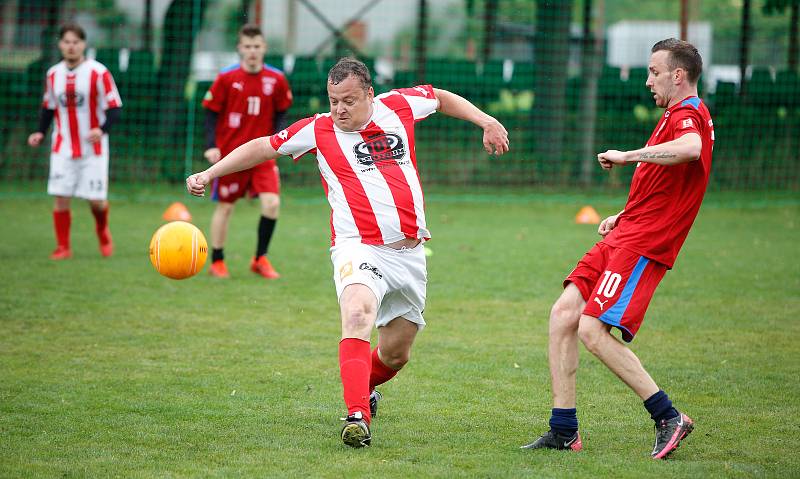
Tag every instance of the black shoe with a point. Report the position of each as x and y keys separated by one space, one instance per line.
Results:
x=669 y=433
x=355 y=432
x=553 y=440
x=374 y=397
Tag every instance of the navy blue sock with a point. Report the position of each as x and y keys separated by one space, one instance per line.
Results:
x=660 y=407
x=564 y=421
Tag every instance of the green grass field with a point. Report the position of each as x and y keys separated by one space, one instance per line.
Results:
x=109 y=370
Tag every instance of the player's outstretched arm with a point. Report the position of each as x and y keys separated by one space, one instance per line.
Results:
x=682 y=150
x=495 y=136
x=245 y=156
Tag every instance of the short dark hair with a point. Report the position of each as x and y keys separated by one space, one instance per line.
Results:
x=350 y=66
x=71 y=27
x=250 y=30
x=682 y=54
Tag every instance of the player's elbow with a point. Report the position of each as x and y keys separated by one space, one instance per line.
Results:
x=693 y=152
x=693 y=147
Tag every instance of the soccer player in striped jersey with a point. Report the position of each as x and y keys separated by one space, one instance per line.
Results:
x=247 y=100
x=81 y=95
x=613 y=283
x=365 y=150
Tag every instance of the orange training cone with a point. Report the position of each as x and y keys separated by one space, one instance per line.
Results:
x=587 y=216
x=177 y=212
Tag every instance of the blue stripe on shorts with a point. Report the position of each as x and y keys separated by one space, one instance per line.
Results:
x=614 y=315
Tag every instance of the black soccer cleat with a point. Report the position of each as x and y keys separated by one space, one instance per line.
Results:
x=355 y=432
x=553 y=440
x=670 y=433
x=374 y=397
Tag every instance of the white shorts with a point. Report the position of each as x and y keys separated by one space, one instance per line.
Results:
x=398 y=278
x=85 y=177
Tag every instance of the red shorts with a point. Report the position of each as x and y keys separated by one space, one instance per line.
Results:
x=263 y=178
x=617 y=285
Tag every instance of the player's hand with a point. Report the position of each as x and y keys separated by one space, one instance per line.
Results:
x=213 y=155
x=495 y=138
x=196 y=184
x=95 y=134
x=607 y=225
x=35 y=139
x=611 y=158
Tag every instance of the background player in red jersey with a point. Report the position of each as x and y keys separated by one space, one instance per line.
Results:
x=246 y=101
x=366 y=155
x=83 y=98
x=612 y=284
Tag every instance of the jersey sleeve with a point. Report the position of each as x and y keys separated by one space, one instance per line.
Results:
x=283 y=94
x=297 y=140
x=216 y=95
x=686 y=120
x=421 y=99
x=49 y=97
x=107 y=89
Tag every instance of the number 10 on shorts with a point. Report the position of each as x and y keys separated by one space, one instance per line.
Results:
x=609 y=284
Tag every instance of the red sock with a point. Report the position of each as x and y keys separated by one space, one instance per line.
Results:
x=101 y=224
x=354 y=367
x=61 y=221
x=380 y=372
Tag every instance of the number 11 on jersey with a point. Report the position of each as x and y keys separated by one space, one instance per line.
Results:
x=253 y=105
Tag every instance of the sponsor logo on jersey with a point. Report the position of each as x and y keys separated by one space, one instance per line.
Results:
x=268 y=85
x=687 y=123
x=237 y=85
x=372 y=269
x=380 y=150
x=234 y=120
x=75 y=99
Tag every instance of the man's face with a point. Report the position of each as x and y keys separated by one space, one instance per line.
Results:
x=660 y=80
x=351 y=105
x=72 y=47
x=252 y=51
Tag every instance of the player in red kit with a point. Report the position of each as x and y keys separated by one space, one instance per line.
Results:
x=246 y=101
x=612 y=284
x=82 y=97
x=366 y=154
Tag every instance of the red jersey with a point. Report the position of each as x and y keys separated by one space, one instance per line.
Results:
x=246 y=103
x=664 y=200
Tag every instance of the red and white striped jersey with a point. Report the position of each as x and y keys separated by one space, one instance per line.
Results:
x=80 y=98
x=370 y=175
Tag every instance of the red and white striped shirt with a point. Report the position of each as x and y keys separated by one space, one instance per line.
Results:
x=80 y=98
x=370 y=175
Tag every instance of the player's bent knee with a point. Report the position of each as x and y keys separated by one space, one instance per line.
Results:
x=270 y=205
x=225 y=208
x=395 y=359
x=591 y=333
x=355 y=320
x=564 y=317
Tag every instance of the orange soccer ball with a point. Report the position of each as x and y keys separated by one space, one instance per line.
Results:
x=178 y=250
